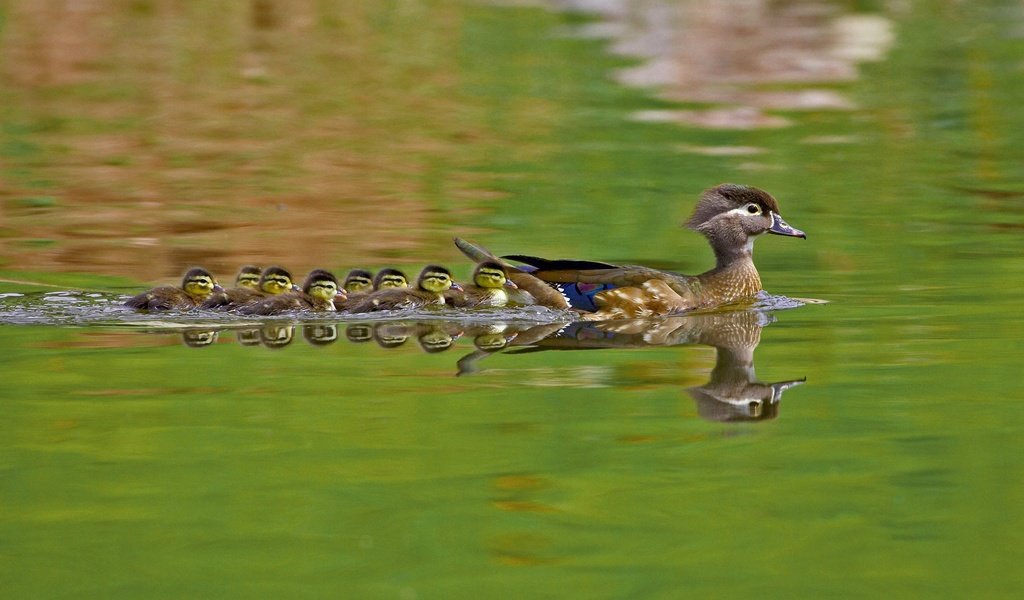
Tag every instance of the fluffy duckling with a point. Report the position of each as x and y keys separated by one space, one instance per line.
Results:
x=318 y=293
x=196 y=286
x=431 y=286
x=248 y=276
x=358 y=283
x=272 y=282
x=489 y=288
x=390 y=278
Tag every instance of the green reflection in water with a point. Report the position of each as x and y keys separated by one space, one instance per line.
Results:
x=133 y=465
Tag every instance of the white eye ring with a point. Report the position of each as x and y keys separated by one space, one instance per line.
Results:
x=753 y=209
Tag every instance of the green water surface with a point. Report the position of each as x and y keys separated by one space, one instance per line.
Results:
x=133 y=465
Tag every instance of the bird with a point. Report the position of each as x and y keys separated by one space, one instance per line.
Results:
x=273 y=281
x=390 y=278
x=248 y=276
x=730 y=216
x=358 y=281
x=490 y=287
x=196 y=286
x=318 y=294
x=431 y=285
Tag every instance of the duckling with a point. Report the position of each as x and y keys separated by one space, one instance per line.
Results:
x=196 y=286
x=358 y=281
x=490 y=288
x=730 y=216
x=431 y=285
x=390 y=278
x=318 y=293
x=248 y=276
x=272 y=282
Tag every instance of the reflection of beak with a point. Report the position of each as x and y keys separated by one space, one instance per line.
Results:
x=780 y=227
x=296 y=288
x=456 y=286
x=511 y=284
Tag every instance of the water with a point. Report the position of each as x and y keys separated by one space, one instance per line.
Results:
x=866 y=446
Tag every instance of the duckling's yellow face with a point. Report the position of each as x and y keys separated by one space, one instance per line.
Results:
x=199 y=285
x=436 y=281
x=323 y=289
x=276 y=283
x=487 y=277
x=249 y=280
x=393 y=281
x=358 y=284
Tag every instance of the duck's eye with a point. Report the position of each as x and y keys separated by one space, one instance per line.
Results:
x=753 y=209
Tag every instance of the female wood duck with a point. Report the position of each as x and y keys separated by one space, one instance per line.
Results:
x=730 y=216
x=273 y=281
x=431 y=285
x=318 y=293
x=490 y=287
x=196 y=286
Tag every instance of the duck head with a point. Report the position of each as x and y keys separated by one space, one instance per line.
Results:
x=492 y=275
x=248 y=276
x=276 y=280
x=358 y=281
x=436 y=279
x=390 y=278
x=731 y=216
x=199 y=283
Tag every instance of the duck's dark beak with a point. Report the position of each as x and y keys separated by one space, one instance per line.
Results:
x=511 y=284
x=296 y=288
x=218 y=288
x=456 y=286
x=780 y=227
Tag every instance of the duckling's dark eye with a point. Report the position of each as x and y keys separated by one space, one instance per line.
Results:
x=753 y=209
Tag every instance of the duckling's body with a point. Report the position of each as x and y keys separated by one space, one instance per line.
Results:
x=358 y=283
x=273 y=281
x=430 y=288
x=196 y=286
x=490 y=287
x=318 y=294
x=730 y=216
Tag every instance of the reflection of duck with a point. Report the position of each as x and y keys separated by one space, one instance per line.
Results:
x=733 y=392
x=196 y=286
x=359 y=333
x=730 y=216
x=318 y=293
x=490 y=287
x=320 y=334
x=277 y=336
x=199 y=338
x=436 y=338
x=248 y=337
x=272 y=282
x=431 y=285
x=391 y=335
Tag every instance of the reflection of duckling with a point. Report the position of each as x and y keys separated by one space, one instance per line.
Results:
x=248 y=337
x=436 y=339
x=359 y=333
x=278 y=336
x=390 y=278
x=199 y=338
x=391 y=335
x=318 y=292
x=196 y=286
x=431 y=285
x=490 y=288
x=320 y=334
x=272 y=282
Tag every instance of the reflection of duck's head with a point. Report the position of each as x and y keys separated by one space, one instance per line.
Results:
x=276 y=280
x=391 y=335
x=436 y=339
x=277 y=336
x=248 y=337
x=358 y=333
x=198 y=283
x=358 y=281
x=754 y=401
x=320 y=334
x=730 y=216
x=199 y=338
x=248 y=277
x=390 y=278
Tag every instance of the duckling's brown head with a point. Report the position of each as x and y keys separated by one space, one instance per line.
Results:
x=276 y=280
x=248 y=276
x=358 y=281
x=435 y=279
x=390 y=278
x=321 y=284
x=199 y=283
x=732 y=215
